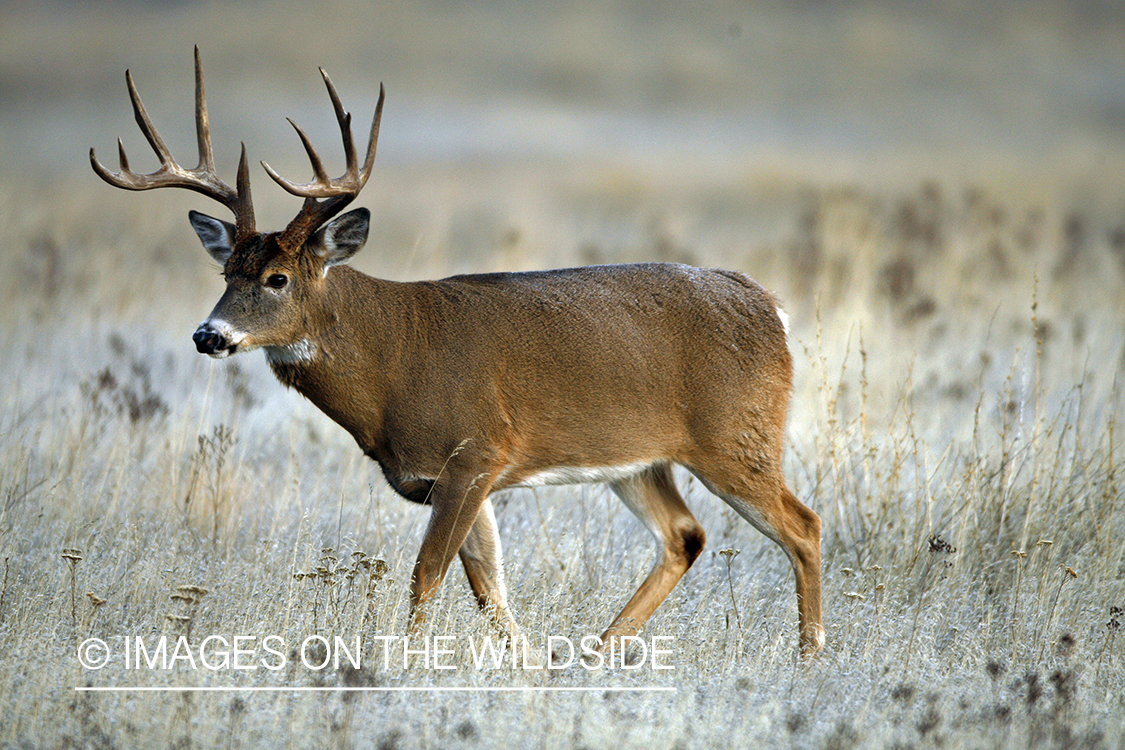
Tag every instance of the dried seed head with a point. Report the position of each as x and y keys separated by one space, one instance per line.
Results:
x=197 y=591
x=855 y=595
x=189 y=594
x=1070 y=571
x=95 y=600
x=1065 y=645
x=1044 y=543
x=937 y=544
x=73 y=556
x=1019 y=553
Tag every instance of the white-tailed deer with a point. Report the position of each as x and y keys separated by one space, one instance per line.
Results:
x=469 y=385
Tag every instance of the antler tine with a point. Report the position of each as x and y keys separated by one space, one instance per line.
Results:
x=144 y=122
x=202 y=179
x=322 y=186
x=321 y=182
x=202 y=122
x=373 y=137
x=244 y=212
x=345 y=120
x=121 y=157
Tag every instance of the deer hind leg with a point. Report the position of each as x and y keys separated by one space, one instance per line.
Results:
x=653 y=498
x=762 y=498
x=484 y=567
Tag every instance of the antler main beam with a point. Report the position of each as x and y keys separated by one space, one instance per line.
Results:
x=325 y=196
x=202 y=179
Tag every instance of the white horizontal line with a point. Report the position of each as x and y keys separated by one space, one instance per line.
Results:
x=410 y=689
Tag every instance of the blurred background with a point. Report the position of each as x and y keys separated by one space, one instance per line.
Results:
x=846 y=90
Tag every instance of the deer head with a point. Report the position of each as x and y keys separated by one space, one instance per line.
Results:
x=275 y=279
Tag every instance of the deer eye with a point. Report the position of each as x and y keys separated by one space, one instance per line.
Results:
x=277 y=281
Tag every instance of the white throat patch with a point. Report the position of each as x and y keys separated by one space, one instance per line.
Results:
x=302 y=352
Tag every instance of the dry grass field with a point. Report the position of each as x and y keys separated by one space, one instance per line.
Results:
x=937 y=193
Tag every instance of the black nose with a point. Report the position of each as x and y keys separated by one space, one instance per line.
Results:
x=207 y=340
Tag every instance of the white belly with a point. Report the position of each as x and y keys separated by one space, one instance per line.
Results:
x=580 y=474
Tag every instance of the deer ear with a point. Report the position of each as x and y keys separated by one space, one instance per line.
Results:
x=339 y=240
x=216 y=235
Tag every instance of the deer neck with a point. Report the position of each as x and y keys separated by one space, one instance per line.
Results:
x=348 y=357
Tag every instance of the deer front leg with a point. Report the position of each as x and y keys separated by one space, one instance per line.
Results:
x=484 y=567
x=457 y=502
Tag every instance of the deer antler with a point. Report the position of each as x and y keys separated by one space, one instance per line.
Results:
x=335 y=193
x=202 y=179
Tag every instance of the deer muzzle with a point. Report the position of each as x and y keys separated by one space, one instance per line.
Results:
x=208 y=340
x=216 y=338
